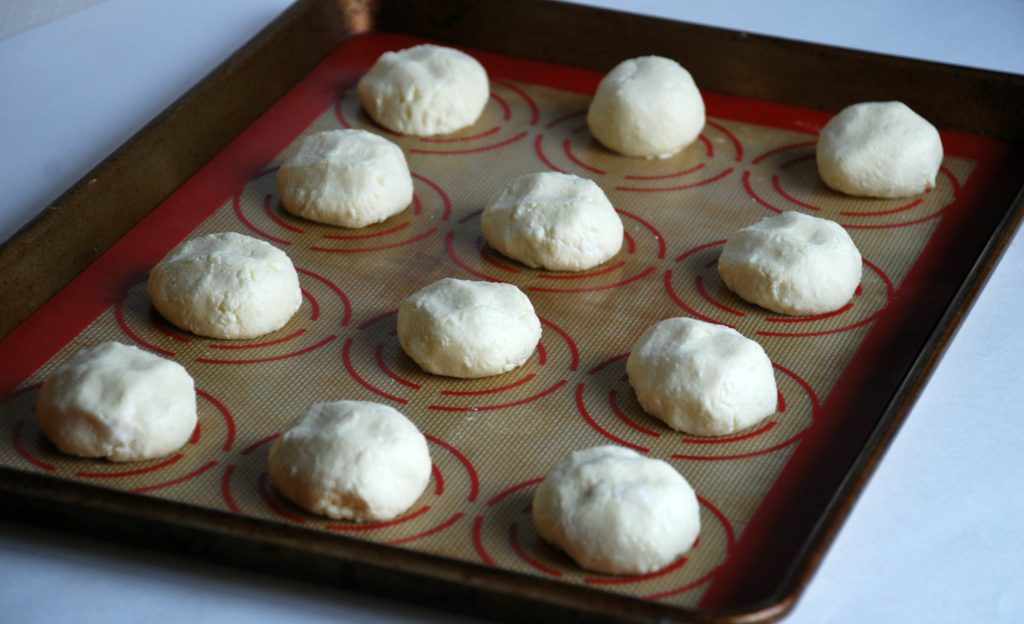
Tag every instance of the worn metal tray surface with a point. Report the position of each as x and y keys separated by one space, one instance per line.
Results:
x=771 y=497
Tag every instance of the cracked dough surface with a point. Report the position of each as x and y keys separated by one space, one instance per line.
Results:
x=702 y=378
x=351 y=460
x=425 y=90
x=226 y=285
x=647 y=106
x=350 y=178
x=465 y=328
x=879 y=149
x=616 y=511
x=552 y=220
x=119 y=402
x=792 y=263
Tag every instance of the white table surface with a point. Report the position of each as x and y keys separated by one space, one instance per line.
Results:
x=937 y=536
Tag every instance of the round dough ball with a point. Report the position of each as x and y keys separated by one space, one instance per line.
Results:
x=792 y=263
x=616 y=511
x=350 y=178
x=462 y=328
x=226 y=286
x=117 y=402
x=647 y=106
x=556 y=221
x=351 y=460
x=425 y=90
x=701 y=378
x=879 y=149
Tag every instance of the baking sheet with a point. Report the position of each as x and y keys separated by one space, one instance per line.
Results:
x=492 y=439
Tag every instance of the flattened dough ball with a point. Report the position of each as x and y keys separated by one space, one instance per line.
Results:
x=350 y=178
x=425 y=90
x=879 y=149
x=351 y=460
x=792 y=263
x=552 y=220
x=702 y=378
x=647 y=106
x=464 y=328
x=226 y=285
x=118 y=402
x=616 y=511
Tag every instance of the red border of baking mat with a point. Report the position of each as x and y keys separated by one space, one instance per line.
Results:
x=793 y=504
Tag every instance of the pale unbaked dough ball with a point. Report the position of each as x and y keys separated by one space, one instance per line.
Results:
x=647 y=106
x=556 y=221
x=616 y=511
x=879 y=149
x=792 y=263
x=226 y=285
x=702 y=378
x=351 y=460
x=117 y=402
x=425 y=90
x=463 y=328
x=350 y=178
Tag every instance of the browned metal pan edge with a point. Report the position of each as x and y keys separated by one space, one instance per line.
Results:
x=895 y=414
x=327 y=559
x=164 y=155
x=109 y=200
x=724 y=61
x=126 y=186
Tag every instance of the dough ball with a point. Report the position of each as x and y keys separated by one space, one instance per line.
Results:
x=879 y=149
x=792 y=263
x=351 y=460
x=226 y=286
x=702 y=378
x=350 y=178
x=425 y=90
x=553 y=220
x=462 y=328
x=118 y=402
x=647 y=106
x=616 y=511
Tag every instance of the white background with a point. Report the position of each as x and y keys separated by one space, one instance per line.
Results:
x=937 y=536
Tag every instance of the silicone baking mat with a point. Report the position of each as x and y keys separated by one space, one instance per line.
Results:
x=492 y=440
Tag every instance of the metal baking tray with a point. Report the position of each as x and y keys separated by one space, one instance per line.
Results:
x=764 y=99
